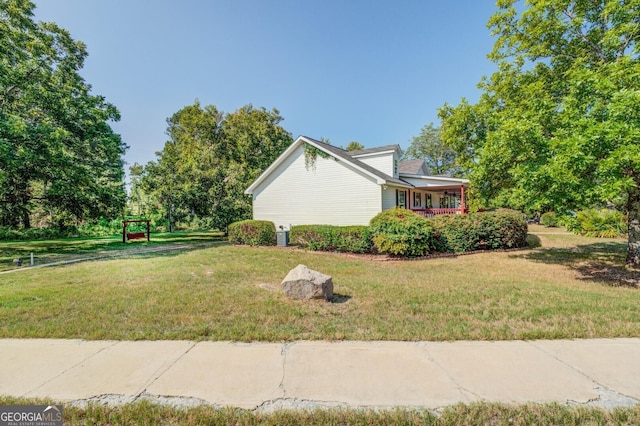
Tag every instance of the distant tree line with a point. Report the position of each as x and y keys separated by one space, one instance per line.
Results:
x=60 y=161
x=211 y=157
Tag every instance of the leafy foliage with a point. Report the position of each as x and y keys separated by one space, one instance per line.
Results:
x=403 y=233
x=253 y=233
x=439 y=158
x=210 y=159
x=602 y=223
x=354 y=146
x=59 y=158
x=558 y=125
x=350 y=239
x=549 y=219
x=311 y=153
x=501 y=229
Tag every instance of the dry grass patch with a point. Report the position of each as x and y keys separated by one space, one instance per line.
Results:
x=475 y=414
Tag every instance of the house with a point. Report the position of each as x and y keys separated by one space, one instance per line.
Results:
x=338 y=187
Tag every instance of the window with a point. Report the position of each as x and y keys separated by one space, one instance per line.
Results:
x=417 y=199
x=395 y=167
x=427 y=201
x=401 y=199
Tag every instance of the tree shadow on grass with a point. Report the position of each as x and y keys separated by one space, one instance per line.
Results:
x=601 y=262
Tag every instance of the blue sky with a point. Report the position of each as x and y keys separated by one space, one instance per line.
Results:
x=371 y=71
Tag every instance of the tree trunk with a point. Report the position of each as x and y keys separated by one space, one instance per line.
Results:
x=26 y=219
x=633 y=211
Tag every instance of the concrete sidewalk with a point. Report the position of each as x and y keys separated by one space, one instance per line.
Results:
x=309 y=374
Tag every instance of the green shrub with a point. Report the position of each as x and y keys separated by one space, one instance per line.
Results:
x=599 y=223
x=402 y=232
x=549 y=219
x=349 y=239
x=253 y=233
x=8 y=234
x=500 y=229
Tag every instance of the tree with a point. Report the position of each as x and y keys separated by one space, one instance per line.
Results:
x=439 y=158
x=354 y=146
x=255 y=139
x=57 y=150
x=558 y=125
x=210 y=159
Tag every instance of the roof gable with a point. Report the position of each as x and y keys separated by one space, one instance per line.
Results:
x=347 y=156
x=338 y=153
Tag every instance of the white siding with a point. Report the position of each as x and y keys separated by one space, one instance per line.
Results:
x=331 y=193
x=389 y=198
x=382 y=162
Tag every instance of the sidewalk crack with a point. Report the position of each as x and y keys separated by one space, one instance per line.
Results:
x=465 y=392
x=604 y=392
x=72 y=367
x=284 y=352
x=163 y=369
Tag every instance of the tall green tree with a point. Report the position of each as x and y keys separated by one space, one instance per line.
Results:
x=57 y=150
x=210 y=159
x=558 y=125
x=439 y=158
x=254 y=138
x=354 y=146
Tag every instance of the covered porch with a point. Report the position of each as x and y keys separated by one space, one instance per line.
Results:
x=429 y=201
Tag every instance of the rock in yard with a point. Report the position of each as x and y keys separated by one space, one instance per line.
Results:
x=304 y=283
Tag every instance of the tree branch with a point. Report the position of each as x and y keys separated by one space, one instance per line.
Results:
x=597 y=50
x=626 y=44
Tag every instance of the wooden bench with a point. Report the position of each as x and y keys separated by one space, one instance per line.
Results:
x=126 y=236
x=135 y=235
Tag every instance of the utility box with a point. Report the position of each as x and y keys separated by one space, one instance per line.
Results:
x=282 y=238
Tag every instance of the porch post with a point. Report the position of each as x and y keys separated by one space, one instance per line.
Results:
x=462 y=204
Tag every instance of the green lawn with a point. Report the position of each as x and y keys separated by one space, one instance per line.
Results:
x=569 y=287
x=48 y=251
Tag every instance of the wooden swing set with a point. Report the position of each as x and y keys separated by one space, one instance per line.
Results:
x=126 y=236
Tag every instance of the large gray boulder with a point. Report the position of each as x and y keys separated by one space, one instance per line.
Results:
x=304 y=283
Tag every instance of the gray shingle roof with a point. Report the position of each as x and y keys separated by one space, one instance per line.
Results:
x=373 y=150
x=413 y=167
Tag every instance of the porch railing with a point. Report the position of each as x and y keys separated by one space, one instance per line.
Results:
x=437 y=211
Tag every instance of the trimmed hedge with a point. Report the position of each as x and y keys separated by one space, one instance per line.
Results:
x=549 y=219
x=253 y=232
x=400 y=232
x=403 y=233
x=350 y=239
x=501 y=229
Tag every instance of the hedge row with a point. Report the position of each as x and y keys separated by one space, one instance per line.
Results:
x=253 y=233
x=399 y=232
x=350 y=239
x=502 y=229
